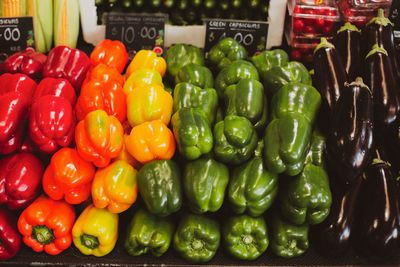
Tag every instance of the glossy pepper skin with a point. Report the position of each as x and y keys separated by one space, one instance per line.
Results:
x=269 y=59
x=95 y=232
x=287 y=240
x=245 y=237
x=377 y=233
x=160 y=187
x=234 y=140
x=104 y=73
x=225 y=52
x=195 y=74
x=67 y=63
x=68 y=177
x=233 y=73
x=252 y=188
x=97 y=94
x=28 y=62
x=179 y=55
x=192 y=132
x=20 y=179
x=16 y=92
x=148 y=103
x=148 y=233
x=204 y=184
x=149 y=60
x=150 y=141
x=197 y=238
x=110 y=53
x=330 y=76
x=307 y=197
x=99 y=138
x=187 y=95
x=52 y=120
x=9 y=236
x=350 y=141
x=278 y=76
x=46 y=225
x=115 y=187
x=141 y=78
x=125 y=156
x=247 y=99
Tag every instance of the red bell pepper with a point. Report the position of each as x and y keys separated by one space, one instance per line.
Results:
x=16 y=91
x=20 y=179
x=52 y=119
x=28 y=62
x=64 y=62
x=68 y=176
x=10 y=239
x=111 y=53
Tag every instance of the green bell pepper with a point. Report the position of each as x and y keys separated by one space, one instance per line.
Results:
x=195 y=74
x=297 y=98
x=179 y=55
x=317 y=152
x=307 y=197
x=224 y=52
x=287 y=240
x=204 y=184
x=220 y=115
x=245 y=237
x=278 y=76
x=147 y=232
x=235 y=140
x=159 y=184
x=197 y=238
x=192 y=132
x=269 y=59
x=247 y=99
x=233 y=73
x=187 y=95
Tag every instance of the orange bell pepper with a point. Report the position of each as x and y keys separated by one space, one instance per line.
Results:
x=147 y=59
x=108 y=96
x=99 y=138
x=142 y=77
x=104 y=73
x=111 y=53
x=68 y=176
x=115 y=187
x=125 y=156
x=151 y=140
x=46 y=225
x=148 y=103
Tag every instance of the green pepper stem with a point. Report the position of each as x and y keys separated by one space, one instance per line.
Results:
x=89 y=241
x=247 y=239
x=197 y=244
x=42 y=234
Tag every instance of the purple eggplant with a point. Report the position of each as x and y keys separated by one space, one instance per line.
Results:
x=377 y=232
x=332 y=236
x=330 y=76
x=348 y=43
x=350 y=139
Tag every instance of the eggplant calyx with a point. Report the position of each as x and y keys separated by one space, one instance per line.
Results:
x=380 y=19
x=348 y=27
x=379 y=161
x=377 y=49
x=324 y=44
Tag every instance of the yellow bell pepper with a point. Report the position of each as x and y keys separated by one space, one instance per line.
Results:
x=95 y=232
x=142 y=77
x=148 y=103
x=147 y=59
x=125 y=156
x=115 y=187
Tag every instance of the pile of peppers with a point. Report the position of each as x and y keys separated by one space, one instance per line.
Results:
x=247 y=139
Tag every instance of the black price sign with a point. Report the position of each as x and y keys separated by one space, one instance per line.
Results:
x=137 y=31
x=251 y=34
x=16 y=34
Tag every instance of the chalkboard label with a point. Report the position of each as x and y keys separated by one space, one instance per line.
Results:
x=16 y=34
x=251 y=34
x=137 y=31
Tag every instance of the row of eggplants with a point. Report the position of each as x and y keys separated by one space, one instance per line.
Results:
x=358 y=79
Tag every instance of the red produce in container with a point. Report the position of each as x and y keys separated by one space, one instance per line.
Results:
x=28 y=62
x=10 y=239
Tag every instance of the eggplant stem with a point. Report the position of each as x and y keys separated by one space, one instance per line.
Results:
x=348 y=27
x=324 y=44
x=377 y=49
x=380 y=19
x=379 y=161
